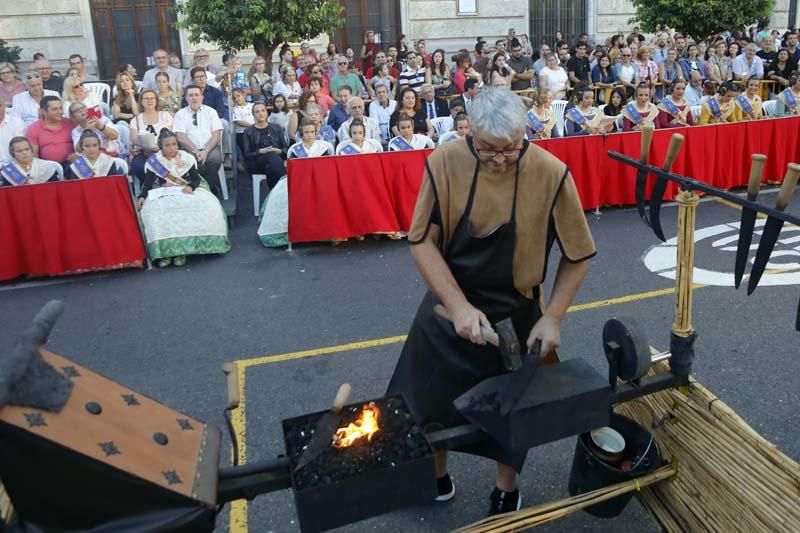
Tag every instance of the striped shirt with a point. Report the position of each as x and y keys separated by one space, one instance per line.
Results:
x=412 y=78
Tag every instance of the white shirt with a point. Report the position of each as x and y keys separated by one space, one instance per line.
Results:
x=372 y=130
x=449 y=136
x=744 y=70
x=419 y=142
x=11 y=126
x=382 y=115
x=245 y=113
x=26 y=108
x=104 y=140
x=207 y=123
x=369 y=146
x=319 y=148
x=554 y=81
x=175 y=79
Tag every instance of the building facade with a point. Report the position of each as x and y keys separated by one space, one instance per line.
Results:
x=110 y=33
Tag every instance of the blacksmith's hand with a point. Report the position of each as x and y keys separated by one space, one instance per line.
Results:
x=548 y=330
x=467 y=320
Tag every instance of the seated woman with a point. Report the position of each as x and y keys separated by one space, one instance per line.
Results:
x=24 y=168
x=749 y=102
x=787 y=102
x=75 y=92
x=180 y=216
x=145 y=129
x=293 y=126
x=288 y=86
x=541 y=119
x=408 y=103
x=274 y=223
x=125 y=105
x=461 y=123
x=585 y=118
x=358 y=143
x=169 y=100
x=674 y=110
x=641 y=111
x=10 y=86
x=722 y=106
x=323 y=132
x=264 y=146
x=310 y=145
x=408 y=140
x=93 y=163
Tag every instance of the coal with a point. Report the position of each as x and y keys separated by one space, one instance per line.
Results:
x=399 y=441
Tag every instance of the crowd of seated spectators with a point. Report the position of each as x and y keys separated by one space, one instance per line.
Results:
x=386 y=98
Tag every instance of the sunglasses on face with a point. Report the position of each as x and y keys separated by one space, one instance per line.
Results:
x=32 y=76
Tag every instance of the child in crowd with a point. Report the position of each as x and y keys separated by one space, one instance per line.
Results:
x=461 y=123
x=358 y=143
x=408 y=140
x=242 y=116
x=310 y=146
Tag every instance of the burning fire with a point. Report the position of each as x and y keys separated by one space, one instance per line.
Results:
x=366 y=425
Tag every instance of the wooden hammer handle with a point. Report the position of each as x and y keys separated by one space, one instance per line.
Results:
x=787 y=188
x=675 y=144
x=231 y=374
x=647 y=139
x=488 y=334
x=756 y=169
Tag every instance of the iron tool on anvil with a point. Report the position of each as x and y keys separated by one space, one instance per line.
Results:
x=489 y=210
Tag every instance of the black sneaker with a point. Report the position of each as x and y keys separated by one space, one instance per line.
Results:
x=446 y=489
x=504 y=502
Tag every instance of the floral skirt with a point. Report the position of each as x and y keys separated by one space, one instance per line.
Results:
x=273 y=230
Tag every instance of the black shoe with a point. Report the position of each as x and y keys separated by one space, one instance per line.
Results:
x=446 y=489
x=504 y=502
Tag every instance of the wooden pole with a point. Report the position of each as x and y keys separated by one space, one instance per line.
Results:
x=687 y=210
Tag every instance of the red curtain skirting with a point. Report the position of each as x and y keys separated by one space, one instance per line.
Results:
x=347 y=196
x=68 y=227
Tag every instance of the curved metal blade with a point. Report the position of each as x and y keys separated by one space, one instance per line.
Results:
x=771 y=231
x=656 y=199
x=743 y=247
x=641 y=185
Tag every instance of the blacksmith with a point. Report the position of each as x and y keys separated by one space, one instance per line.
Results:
x=490 y=208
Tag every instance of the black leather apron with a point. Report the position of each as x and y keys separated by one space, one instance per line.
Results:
x=436 y=365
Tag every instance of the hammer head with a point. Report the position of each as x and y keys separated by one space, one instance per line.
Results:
x=509 y=345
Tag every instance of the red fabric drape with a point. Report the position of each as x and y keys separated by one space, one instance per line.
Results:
x=68 y=227
x=346 y=196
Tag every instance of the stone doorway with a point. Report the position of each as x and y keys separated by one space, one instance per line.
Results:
x=550 y=16
x=360 y=16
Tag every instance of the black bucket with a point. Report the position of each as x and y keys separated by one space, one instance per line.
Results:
x=589 y=472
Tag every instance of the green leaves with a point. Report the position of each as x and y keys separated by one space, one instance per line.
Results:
x=701 y=19
x=263 y=24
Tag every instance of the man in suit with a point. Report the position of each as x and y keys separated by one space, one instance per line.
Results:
x=434 y=108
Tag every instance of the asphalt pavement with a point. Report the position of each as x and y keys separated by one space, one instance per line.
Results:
x=166 y=333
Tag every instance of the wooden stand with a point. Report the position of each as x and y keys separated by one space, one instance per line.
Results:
x=687 y=202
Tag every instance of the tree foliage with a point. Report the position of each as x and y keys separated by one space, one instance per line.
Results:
x=262 y=24
x=9 y=54
x=701 y=18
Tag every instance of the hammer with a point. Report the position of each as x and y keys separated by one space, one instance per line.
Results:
x=503 y=336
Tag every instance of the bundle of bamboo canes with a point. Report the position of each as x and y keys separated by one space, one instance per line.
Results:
x=729 y=477
x=534 y=516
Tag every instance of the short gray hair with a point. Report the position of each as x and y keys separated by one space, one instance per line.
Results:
x=312 y=107
x=498 y=115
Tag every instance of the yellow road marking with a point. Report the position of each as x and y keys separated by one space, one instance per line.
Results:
x=238 y=514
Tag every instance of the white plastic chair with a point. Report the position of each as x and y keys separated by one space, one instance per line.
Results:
x=696 y=110
x=620 y=122
x=223 y=182
x=442 y=125
x=769 y=108
x=257 y=179
x=558 y=107
x=102 y=90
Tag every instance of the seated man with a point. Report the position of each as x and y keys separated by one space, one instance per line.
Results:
x=355 y=106
x=161 y=59
x=51 y=136
x=213 y=98
x=76 y=61
x=199 y=132
x=106 y=132
x=338 y=113
x=10 y=126
x=52 y=83
x=381 y=110
x=201 y=59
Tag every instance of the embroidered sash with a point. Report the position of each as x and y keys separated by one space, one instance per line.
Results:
x=670 y=107
x=350 y=149
x=713 y=105
x=576 y=116
x=788 y=97
x=744 y=103
x=633 y=113
x=534 y=122
x=13 y=174
x=401 y=144
x=300 y=151
x=81 y=168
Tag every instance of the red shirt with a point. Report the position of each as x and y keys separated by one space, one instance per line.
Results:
x=371 y=72
x=326 y=85
x=54 y=145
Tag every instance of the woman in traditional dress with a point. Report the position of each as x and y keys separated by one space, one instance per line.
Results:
x=787 y=102
x=309 y=146
x=180 y=216
x=749 y=102
x=407 y=139
x=641 y=111
x=93 y=163
x=541 y=119
x=460 y=131
x=722 y=106
x=674 y=110
x=358 y=143
x=585 y=118
x=24 y=168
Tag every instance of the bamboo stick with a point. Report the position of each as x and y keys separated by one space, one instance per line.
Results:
x=687 y=207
